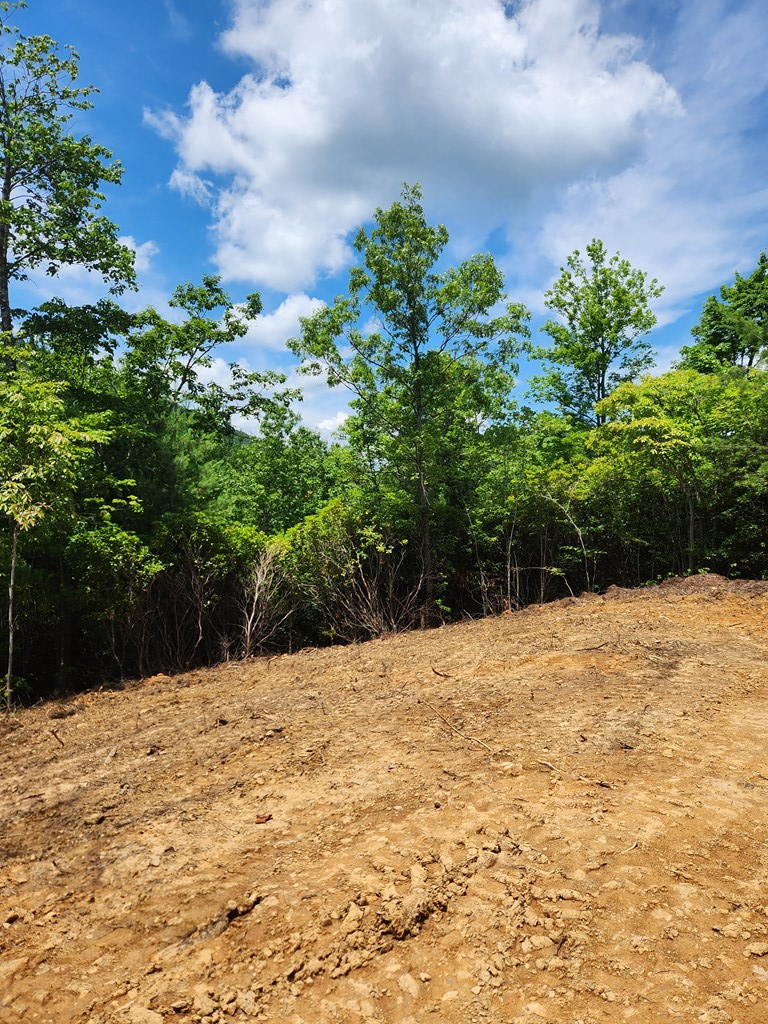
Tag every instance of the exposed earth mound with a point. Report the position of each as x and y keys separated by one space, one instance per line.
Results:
x=559 y=815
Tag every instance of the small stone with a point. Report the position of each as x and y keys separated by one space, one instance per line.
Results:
x=409 y=985
x=756 y=949
x=143 y=1015
x=352 y=919
x=418 y=876
x=248 y=1004
x=204 y=1005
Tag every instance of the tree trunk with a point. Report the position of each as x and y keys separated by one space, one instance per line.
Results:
x=11 y=586
x=6 y=320
x=691 y=529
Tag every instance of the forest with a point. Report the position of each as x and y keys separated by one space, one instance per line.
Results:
x=143 y=533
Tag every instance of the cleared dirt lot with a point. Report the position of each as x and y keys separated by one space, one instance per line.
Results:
x=559 y=815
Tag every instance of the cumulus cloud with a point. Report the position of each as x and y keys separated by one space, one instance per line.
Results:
x=332 y=424
x=143 y=252
x=688 y=213
x=488 y=104
x=272 y=330
x=78 y=285
x=322 y=408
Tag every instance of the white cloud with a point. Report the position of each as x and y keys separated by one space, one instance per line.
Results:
x=272 y=330
x=78 y=285
x=322 y=408
x=143 y=252
x=332 y=424
x=191 y=185
x=688 y=213
x=178 y=21
x=219 y=372
x=348 y=100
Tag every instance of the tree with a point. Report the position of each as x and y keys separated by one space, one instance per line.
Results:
x=692 y=446
x=433 y=371
x=50 y=181
x=40 y=450
x=169 y=356
x=275 y=479
x=733 y=330
x=597 y=342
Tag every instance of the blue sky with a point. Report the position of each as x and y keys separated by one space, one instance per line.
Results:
x=256 y=135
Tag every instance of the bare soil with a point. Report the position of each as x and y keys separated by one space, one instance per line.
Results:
x=558 y=815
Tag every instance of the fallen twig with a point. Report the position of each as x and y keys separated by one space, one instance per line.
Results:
x=453 y=728
x=56 y=736
x=548 y=764
x=443 y=675
x=632 y=847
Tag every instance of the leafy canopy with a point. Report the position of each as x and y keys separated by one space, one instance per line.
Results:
x=50 y=180
x=604 y=310
x=733 y=330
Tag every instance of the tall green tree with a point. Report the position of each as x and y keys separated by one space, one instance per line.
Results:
x=436 y=365
x=50 y=179
x=40 y=453
x=604 y=312
x=698 y=440
x=733 y=329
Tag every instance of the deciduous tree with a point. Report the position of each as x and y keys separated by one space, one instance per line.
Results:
x=733 y=330
x=428 y=355
x=40 y=451
x=50 y=179
x=604 y=312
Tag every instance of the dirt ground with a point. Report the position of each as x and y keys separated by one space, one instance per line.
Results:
x=558 y=815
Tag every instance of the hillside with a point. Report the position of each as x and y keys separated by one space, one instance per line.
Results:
x=558 y=815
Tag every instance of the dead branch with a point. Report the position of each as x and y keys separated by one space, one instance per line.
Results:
x=453 y=728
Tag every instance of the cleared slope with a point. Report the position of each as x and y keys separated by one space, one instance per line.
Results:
x=558 y=815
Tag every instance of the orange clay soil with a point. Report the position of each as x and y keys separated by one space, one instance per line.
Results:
x=557 y=815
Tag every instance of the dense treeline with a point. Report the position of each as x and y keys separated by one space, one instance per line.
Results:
x=141 y=532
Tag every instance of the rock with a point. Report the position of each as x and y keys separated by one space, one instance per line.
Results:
x=409 y=985
x=418 y=876
x=10 y=967
x=352 y=919
x=756 y=949
x=248 y=1004
x=143 y=1015
x=531 y=942
x=204 y=1005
